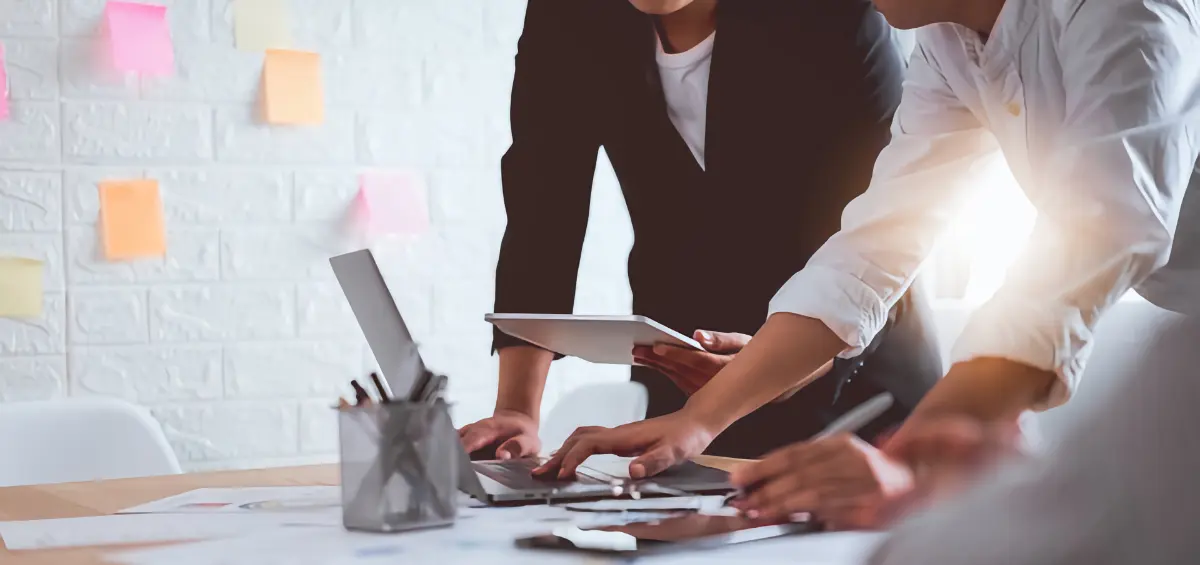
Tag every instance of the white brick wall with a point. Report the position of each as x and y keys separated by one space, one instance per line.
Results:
x=239 y=339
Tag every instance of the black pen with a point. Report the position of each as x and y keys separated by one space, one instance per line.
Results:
x=361 y=397
x=384 y=396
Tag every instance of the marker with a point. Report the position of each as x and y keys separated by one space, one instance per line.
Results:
x=849 y=423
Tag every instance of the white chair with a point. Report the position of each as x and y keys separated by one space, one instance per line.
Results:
x=80 y=439
x=607 y=404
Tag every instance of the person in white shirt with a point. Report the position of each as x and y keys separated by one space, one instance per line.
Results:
x=1095 y=104
x=1120 y=490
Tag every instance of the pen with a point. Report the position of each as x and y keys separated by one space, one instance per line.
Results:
x=850 y=422
x=384 y=396
x=860 y=416
x=361 y=398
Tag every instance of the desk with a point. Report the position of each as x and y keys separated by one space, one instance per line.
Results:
x=99 y=498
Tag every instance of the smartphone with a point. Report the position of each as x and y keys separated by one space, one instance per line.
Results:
x=688 y=532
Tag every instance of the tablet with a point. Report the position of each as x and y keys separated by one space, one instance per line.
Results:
x=686 y=532
x=599 y=339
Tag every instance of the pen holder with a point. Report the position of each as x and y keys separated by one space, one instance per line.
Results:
x=399 y=466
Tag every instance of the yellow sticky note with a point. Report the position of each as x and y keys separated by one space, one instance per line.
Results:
x=292 y=88
x=131 y=219
x=262 y=24
x=20 y=288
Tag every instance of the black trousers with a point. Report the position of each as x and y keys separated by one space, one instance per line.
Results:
x=904 y=360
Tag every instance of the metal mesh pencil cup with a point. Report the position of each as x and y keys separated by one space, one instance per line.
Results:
x=399 y=466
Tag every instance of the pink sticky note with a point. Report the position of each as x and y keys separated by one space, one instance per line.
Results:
x=3 y=86
x=393 y=203
x=140 y=38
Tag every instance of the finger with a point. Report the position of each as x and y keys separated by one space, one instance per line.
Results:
x=556 y=460
x=707 y=363
x=477 y=438
x=552 y=465
x=721 y=342
x=780 y=462
x=790 y=503
x=854 y=514
x=681 y=381
x=653 y=462
x=517 y=447
x=770 y=492
x=642 y=351
x=578 y=453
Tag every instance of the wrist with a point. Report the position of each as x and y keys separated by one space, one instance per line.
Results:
x=518 y=410
x=712 y=417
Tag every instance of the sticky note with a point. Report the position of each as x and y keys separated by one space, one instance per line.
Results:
x=20 y=288
x=395 y=203
x=140 y=38
x=262 y=24
x=131 y=219
x=292 y=88
x=3 y=86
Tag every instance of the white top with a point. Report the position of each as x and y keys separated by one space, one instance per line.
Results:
x=1086 y=101
x=685 y=87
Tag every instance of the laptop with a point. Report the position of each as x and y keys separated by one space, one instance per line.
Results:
x=491 y=482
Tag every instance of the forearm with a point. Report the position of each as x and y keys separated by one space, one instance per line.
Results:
x=789 y=352
x=987 y=389
x=523 y=371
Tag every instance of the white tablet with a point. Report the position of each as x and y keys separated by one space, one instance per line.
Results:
x=599 y=339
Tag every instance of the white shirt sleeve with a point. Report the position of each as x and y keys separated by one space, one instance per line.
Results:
x=922 y=180
x=1110 y=201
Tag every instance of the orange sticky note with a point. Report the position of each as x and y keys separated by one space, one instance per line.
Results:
x=131 y=217
x=292 y=88
x=20 y=288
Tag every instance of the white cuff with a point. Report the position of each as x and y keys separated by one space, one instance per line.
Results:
x=849 y=307
x=1047 y=338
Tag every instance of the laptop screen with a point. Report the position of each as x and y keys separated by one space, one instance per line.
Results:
x=387 y=335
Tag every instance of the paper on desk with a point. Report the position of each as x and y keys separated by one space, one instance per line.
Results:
x=245 y=501
x=148 y=528
x=479 y=535
x=843 y=548
x=467 y=543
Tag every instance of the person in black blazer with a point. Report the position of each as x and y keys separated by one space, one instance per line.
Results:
x=732 y=126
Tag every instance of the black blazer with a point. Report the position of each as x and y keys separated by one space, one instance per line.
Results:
x=801 y=96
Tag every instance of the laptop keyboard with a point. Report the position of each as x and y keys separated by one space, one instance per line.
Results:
x=518 y=474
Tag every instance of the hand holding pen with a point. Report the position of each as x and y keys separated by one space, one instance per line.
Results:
x=835 y=475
